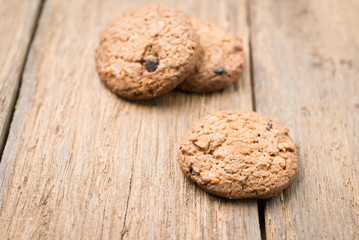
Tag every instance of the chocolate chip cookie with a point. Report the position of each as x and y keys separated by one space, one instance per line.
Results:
x=239 y=154
x=147 y=51
x=221 y=60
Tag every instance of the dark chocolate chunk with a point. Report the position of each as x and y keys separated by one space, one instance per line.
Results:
x=152 y=64
x=192 y=171
x=219 y=70
x=270 y=125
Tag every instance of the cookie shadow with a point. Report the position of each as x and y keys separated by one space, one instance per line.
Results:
x=293 y=190
x=214 y=198
x=174 y=99
x=227 y=201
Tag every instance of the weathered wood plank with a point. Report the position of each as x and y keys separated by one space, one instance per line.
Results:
x=82 y=163
x=306 y=72
x=16 y=26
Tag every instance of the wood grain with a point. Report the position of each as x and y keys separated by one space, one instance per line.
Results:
x=16 y=26
x=81 y=163
x=306 y=72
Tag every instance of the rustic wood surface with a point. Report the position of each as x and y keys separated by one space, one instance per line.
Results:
x=306 y=72
x=82 y=163
x=17 y=20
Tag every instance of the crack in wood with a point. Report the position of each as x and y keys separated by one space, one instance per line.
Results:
x=261 y=203
x=4 y=134
x=124 y=230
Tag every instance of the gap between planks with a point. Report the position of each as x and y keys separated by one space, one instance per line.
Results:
x=261 y=203
x=8 y=119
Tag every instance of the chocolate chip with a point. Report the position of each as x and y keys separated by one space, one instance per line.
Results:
x=219 y=70
x=152 y=64
x=270 y=125
x=192 y=171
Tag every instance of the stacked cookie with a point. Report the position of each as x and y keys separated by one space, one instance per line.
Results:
x=153 y=49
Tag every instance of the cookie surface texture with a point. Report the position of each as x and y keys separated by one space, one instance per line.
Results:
x=221 y=61
x=238 y=154
x=147 y=51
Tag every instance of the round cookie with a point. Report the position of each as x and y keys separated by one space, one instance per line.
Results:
x=221 y=60
x=239 y=154
x=147 y=51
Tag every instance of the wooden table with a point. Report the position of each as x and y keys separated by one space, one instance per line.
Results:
x=80 y=163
